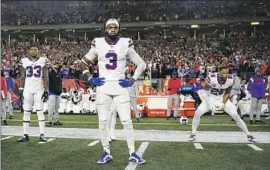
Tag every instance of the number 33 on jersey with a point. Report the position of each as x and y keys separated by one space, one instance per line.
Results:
x=34 y=72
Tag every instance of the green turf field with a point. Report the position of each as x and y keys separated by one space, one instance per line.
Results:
x=74 y=154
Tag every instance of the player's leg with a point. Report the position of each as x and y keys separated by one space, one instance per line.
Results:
x=56 y=111
x=253 y=106
x=259 y=112
x=9 y=104
x=202 y=109
x=268 y=105
x=230 y=109
x=133 y=102
x=51 y=107
x=176 y=103
x=169 y=105
x=41 y=118
x=103 y=106
x=28 y=100
x=3 y=111
x=112 y=122
x=122 y=104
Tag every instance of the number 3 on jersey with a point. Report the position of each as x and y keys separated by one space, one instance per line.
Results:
x=33 y=71
x=113 y=61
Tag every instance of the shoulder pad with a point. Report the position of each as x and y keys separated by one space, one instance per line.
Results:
x=212 y=75
x=230 y=77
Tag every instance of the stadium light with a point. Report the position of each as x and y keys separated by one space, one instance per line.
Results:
x=255 y=23
x=194 y=26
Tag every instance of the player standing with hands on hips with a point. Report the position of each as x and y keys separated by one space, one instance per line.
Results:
x=33 y=74
x=112 y=53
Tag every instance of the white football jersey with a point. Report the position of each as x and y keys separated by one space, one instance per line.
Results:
x=92 y=94
x=217 y=90
x=65 y=95
x=34 y=73
x=112 y=61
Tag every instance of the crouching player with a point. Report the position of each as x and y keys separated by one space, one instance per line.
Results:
x=219 y=86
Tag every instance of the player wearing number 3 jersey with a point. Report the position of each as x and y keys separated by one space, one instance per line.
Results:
x=33 y=87
x=112 y=53
x=219 y=86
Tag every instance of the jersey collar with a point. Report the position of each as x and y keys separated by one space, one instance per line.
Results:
x=110 y=41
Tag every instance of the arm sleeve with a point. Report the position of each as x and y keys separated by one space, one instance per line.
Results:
x=92 y=53
x=136 y=59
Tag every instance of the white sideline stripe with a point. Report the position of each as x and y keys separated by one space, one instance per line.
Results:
x=8 y=137
x=93 y=143
x=49 y=140
x=140 y=151
x=198 y=146
x=256 y=148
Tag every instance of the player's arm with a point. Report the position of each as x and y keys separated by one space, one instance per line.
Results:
x=46 y=75
x=207 y=86
x=137 y=60
x=226 y=95
x=22 y=71
x=87 y=59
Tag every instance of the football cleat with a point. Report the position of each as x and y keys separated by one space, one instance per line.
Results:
x=267 y=118
x=106 y=157
x=24 y=138
x=42 y=138
x=259 y=122
x=192 y=137
x=136 y=159
x=58 y=123
x=4 y=122
x=50 y=124
x=251 y=138
x=138 y=120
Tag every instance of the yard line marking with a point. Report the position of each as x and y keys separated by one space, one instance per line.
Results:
x=49 y=140
x=198 y=146
x=8 y=137
x=140 y=151
x=151 y=123
x=93 y=143
x=256 y=148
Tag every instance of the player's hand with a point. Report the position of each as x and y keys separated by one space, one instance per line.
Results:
x=126 y=82
x=96 y=81
x=45 y=96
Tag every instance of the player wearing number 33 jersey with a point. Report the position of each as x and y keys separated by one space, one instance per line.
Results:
x=219 y=86
x=112 y=52
x=33 y=88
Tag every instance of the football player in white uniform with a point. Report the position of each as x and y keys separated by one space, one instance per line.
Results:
x=34 y=83
x=219 y=86
x=112 y=53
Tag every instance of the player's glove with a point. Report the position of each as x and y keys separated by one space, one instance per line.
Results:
x=126 y=82
x=45 y=96
x=96 y=81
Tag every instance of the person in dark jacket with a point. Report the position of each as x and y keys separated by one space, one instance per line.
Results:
x=257 y=89
x=55 y=90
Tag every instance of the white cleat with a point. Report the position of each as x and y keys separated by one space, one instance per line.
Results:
x=251 y=138
x=267 y=118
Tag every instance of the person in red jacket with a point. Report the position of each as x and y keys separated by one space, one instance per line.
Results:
x=3 y=98
x=173 y=87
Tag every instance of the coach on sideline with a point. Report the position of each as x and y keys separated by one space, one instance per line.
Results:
x=55 y=90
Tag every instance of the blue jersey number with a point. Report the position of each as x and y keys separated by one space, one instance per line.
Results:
x=33 y=71
x=113 y=61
